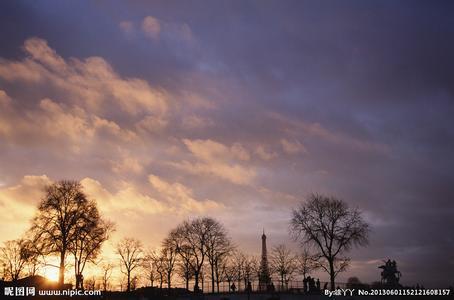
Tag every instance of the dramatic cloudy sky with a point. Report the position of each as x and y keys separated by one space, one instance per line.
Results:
x=238 y=110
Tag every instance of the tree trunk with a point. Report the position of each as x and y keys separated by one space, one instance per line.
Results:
x=212 y=278
x=168 y=283
x=196 y=283
x=202 y=280
x=128 y=289
x=61 y=274
x=187 y=280
x=331 y=274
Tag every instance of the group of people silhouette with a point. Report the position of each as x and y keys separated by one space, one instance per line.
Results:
x=311 y=286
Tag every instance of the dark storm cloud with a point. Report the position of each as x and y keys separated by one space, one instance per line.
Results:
x=365 y=86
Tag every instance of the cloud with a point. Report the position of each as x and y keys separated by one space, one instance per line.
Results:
x=294 y=147
x=5 y=100
x=214 y=158
x=90 y=83
x=127 y=27
x=127 y=165
x=196 y=122
x=151 y=124
x=151 y=27
x=264 y=154
x=126 y=201
x=182 y=197
x=239 y=152
x=155 y=29
x=18 y=204
x=71 y=127
x=317 y=130
x=5 y=110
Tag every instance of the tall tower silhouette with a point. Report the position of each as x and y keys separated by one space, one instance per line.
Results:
x=264 y=275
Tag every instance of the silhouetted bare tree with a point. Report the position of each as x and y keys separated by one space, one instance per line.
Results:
x=91 y=233
x=306 y=263
x=107 y=269
x=148 y=264
x=158 y=266
x=184 y=266
x=332 y=228
x=190 y=239
x=218 y=245
x=13 y=258
x=131 y=255
x=60 y=214
x=168 y=255
x=32 y=255
x=228 y=270
x=162 y=263
x=283 y=262
x=239 y=260
x=251 y=269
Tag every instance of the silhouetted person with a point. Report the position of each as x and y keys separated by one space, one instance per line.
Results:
x=312 y=285
x=233 y=287
x=249 y=287
x=305 y=284
x=318 y=284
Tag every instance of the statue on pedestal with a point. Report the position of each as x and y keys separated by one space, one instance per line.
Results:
x=390 y=276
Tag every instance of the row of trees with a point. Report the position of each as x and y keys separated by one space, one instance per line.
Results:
x=325 y=225
x=186 y=250
x=68 y=224
x=222 y=262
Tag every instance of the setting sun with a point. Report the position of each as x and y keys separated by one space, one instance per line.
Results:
x=51 y=273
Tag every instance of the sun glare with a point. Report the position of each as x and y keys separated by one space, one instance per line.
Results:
x=51 y=274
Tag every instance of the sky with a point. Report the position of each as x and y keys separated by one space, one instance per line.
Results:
x=168 y=110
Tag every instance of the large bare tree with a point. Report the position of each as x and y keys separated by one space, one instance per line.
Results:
x=332 y=228
x=131 y=255
x=283 y=262
x=61 y=213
